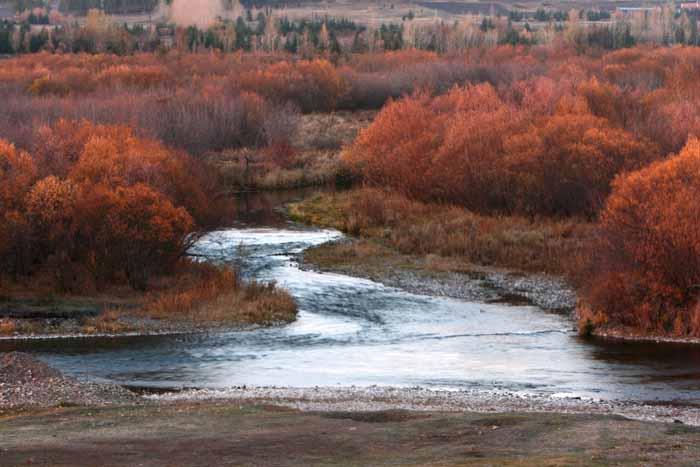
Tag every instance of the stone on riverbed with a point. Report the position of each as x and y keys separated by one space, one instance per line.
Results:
x=26 y=382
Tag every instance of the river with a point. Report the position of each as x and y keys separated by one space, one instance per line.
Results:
x=354 y=331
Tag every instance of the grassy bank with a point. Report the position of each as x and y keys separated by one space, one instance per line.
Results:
x=195 y=296
x=213 y=433
x=451 y=238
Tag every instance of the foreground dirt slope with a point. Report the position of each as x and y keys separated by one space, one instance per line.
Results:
x=208 y=434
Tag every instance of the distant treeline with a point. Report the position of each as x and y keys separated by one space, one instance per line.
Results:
x=109 y=6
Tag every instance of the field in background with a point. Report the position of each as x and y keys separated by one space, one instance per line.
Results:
x=376 y=12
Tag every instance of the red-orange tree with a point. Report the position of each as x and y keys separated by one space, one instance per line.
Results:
x=564 y=164
x=439 y=149
x=647 y=272
x=17 y=174
x=111 y=206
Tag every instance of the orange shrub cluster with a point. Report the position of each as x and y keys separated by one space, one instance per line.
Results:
x=644 y=270
x=472 y=147
x=312 y=85
x=96 y=204
x=204 y=102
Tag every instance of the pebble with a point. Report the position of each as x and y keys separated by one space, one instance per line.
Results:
x=376 y=398
x=26 y=382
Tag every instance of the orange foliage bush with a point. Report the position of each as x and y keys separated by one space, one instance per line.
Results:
x=18 y=171
x=644 y=271
x=440 y=149
x=134 y=76
x=473 y=148
x=565 y=164
x=312 y=85
x=105 y=204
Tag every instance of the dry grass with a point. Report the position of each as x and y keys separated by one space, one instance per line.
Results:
x=211 y=294
x=108 y=322
x=195 y=295
x=250 y=169
x=331 y=131
x=449 y=231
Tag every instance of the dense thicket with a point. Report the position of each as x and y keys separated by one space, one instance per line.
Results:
x=575 y=140
x=545 y=145
x=535 y=131
x=95 y=204
x=644 y=268
x=202 y=102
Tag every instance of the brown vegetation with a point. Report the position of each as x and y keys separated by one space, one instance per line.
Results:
x=96 y=207
x=645 y=271
x=413 y=227
x=96 y=204
x=95 y=189
x=210 y=294
x=474 y=148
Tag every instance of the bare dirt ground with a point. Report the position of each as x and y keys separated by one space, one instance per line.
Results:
x=224 y=433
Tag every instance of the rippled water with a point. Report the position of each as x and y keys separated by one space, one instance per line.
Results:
x=357 y=332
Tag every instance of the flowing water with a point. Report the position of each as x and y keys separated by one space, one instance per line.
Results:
x=353 y=331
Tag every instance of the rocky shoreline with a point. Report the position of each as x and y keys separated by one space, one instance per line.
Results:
x=379 y=398
x=475 y=283
x=28 y=383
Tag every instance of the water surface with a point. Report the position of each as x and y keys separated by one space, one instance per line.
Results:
x=353 y=331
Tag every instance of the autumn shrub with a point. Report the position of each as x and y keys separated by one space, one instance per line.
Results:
x=207 y=102
x=311 y=85
x=643 y=271
x=438 y=149
x=184 y=120
x=371 y=90
x=474 y=148
x=18 y=172
x=8 y=327
x=98 y=203
x=564 y=165
x=69 y=80
x=143 y=76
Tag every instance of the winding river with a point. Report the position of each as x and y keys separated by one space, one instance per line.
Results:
x=353 y=331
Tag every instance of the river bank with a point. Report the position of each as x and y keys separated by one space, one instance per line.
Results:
x=28 y=384
x=440 y=277
x=444 y=250
x=198 y=297
x=229 y=432
x=50 y=419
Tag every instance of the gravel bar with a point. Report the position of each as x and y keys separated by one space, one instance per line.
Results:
x=26 y=382
x=378 y=398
